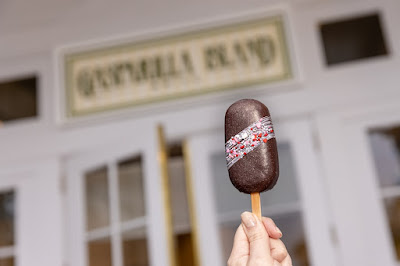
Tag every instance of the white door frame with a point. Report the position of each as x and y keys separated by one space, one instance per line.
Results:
x=362 y=227
x=144 y=144
x=311 y=189
x=38 y=230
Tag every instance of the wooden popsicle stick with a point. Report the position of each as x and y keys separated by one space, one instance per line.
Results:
x=256 y=204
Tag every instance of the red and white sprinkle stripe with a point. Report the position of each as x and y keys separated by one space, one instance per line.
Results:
x=248 y=139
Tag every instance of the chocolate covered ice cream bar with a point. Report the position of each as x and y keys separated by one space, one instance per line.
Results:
x=250 y=147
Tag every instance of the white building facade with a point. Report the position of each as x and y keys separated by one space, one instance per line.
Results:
x=96 y=189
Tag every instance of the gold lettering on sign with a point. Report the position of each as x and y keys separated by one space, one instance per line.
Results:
x=100 y=78
x=128 y=75
x=259 y=50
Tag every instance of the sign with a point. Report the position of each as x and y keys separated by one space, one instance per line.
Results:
x=157 y=70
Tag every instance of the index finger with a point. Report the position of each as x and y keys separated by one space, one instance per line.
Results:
x=258 y=239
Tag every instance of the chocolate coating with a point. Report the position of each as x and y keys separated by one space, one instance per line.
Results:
x=259 y=169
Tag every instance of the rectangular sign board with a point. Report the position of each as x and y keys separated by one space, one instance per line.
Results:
x=132 y=74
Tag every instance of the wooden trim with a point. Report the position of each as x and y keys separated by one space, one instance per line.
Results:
x=163 y=161
x=191 y=203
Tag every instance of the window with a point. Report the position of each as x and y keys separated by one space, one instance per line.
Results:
x=18 y=99
x=385 y=145
x=7 y=231
x=281 y=204
x=115 y=215
x=353 y=39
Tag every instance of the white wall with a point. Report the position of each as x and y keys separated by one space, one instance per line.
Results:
x=31 y=31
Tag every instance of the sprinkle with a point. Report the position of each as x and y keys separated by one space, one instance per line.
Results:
x=248 y=139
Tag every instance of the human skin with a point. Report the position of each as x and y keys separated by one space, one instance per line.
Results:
x=257 y=242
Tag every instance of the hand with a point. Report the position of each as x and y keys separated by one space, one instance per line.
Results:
x=258 y=243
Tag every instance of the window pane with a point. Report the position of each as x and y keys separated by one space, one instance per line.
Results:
x=18 y=99
x=131 y=194
x=353 y=39
x=392 y=206
x=385 y=146
x=97 y=203
x=134 y=245
x=7 y=262
x=184 y=244
x=7 y=214
x=99 y=252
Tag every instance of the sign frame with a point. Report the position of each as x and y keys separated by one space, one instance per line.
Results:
x=68 y=56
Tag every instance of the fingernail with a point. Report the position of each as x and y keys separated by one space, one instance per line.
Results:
x=248 y=219
x=279 y=231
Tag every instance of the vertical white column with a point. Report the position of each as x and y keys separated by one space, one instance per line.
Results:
x=313 y=197
x=116 y=248
x=207 y=220
x=76 y=220
x=156 y=226
x=38 y=215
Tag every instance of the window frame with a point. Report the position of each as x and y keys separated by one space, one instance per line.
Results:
x=11 y=251
x=37 y=217
x=345 y=143
x=110 y=154
x=314 y=209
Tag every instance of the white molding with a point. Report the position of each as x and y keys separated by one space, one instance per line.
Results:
x=354 y=191
x=7 y=252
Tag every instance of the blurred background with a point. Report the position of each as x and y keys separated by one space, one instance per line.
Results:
x=112 y=129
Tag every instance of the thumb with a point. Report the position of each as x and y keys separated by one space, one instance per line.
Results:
x=260 y=253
